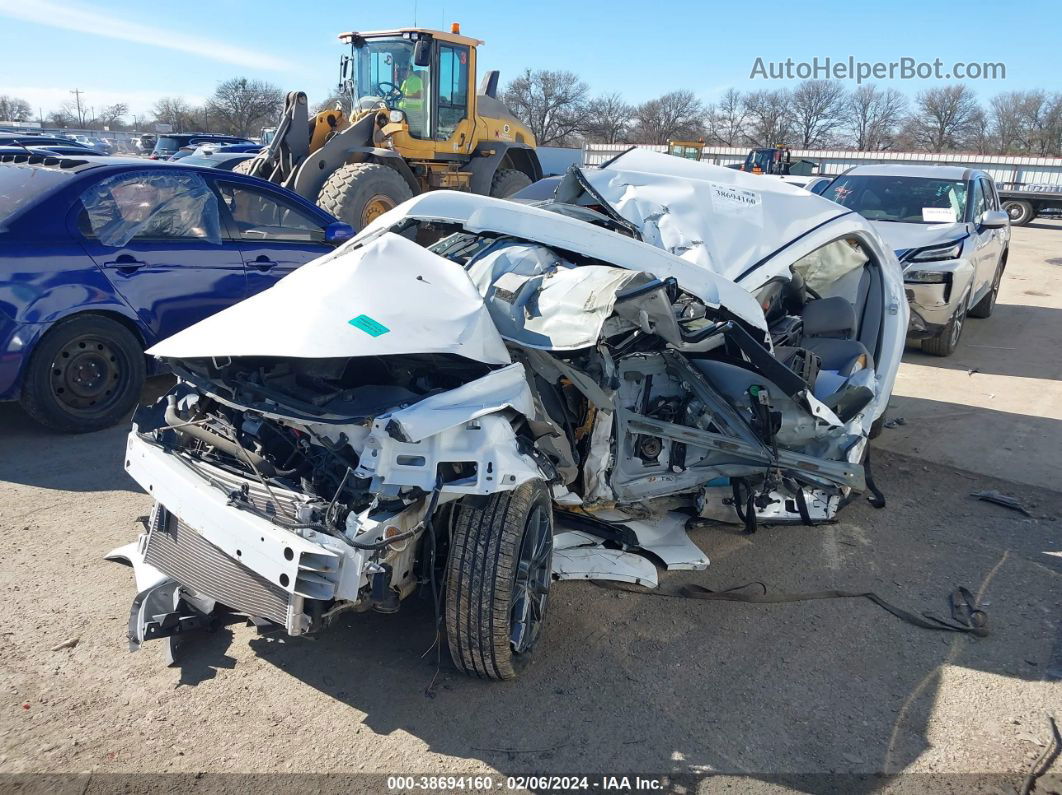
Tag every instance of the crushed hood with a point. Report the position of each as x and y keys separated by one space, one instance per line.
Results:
x=902 y=238
x=501 y=216
x=389 y=296
x=722 y=219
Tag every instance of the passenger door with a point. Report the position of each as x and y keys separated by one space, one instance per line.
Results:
x=274 y=234
x=156 y=234
x=985 y=251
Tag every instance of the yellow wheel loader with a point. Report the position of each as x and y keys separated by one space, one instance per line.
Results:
x=415 y=123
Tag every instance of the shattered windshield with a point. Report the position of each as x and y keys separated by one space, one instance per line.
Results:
x=911 y=200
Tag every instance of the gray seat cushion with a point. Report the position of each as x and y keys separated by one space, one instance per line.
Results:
x=829 y=317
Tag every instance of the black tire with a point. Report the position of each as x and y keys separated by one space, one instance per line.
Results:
x=485 y=581
x=508 y=181
x=984 y=307
x=945 y=343
x=1020 y=211
x=85 y=374
x=360 y=192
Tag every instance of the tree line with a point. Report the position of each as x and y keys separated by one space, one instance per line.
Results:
x=561 y=111
x=816 y=114
x=238 y=106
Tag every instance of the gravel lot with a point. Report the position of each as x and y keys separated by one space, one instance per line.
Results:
x=622 y=683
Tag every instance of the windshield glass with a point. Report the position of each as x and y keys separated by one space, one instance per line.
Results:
x=912 y=200
x=384 y=73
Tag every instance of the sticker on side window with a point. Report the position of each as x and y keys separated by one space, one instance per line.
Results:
x=371 y=327
x=938 y=215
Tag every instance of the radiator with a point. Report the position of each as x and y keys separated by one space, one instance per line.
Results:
x=180 y=552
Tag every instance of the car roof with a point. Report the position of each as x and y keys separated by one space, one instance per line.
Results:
x=905 y=170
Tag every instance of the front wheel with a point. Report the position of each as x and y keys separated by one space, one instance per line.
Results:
x=359 y=193
x=508 y=181
x=984 y=307
x=85 y=374
x=945 y=343
x=498 y=576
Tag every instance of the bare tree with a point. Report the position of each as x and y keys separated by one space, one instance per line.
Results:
x=1049 y=135
x=62 y=118
x=14 y=109
x=551 y=103
x=331 y=102
x=675 y=115
x=728 y=119
x=874 y=115
x=174 y=111
x=770 y=120
x=111 y=116
x=241 y=106
x=608 y=118
x=944 y=117
x=1039 y=123
x=817 y=107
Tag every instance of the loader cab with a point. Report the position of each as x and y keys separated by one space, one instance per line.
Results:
x=690 y=150
x=425 y=79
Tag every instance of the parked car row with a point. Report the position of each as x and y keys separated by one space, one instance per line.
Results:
x=171 y=145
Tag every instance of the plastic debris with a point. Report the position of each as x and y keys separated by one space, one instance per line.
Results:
x=1001 y=499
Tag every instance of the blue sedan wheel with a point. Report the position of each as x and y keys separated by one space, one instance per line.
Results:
x=85 y=374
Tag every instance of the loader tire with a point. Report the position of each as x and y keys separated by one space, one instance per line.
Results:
x=358 y=193
x=508 y=181
x=497 y=583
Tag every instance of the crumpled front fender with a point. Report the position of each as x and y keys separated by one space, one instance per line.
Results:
x=465 y=427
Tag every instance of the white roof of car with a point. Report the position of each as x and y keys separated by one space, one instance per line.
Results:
x=929 y=172
x=724 y=220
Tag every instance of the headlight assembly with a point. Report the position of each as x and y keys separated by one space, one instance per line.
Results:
x=937 y=253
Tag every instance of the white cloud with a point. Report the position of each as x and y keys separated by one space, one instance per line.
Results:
x=96 y=22
x=44 y=99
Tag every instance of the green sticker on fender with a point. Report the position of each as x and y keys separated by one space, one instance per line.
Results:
x=369 y=326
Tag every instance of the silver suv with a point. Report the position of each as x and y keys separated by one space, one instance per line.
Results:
x=949 y=232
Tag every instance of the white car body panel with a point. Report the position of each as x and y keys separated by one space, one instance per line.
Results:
x=720 y=218
x=433 y=307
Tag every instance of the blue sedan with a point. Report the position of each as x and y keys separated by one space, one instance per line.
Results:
x=101 y=257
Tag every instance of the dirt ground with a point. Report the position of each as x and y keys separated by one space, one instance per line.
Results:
x=622 y=683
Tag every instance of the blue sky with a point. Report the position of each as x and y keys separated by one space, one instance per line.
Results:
x=640 y=49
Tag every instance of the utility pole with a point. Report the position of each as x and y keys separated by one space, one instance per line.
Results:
x=77 y=92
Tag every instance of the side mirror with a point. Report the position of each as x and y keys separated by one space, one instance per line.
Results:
x=422 y=53
x=995 y=219
x=338 y=232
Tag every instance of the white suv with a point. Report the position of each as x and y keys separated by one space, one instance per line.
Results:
x=949 y=232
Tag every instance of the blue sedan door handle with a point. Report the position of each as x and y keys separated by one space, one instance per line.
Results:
x=125 y=264
x=264 y=263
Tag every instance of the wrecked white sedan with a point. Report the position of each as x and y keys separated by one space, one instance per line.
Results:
x=479 y=396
